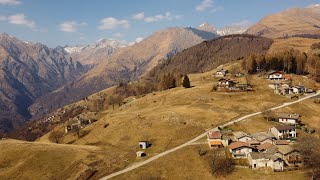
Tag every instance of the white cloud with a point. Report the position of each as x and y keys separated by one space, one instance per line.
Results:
x=138 y=39
x=21 y=19
x=219 y=8
x=9 y=2
x=112 y=23
x=167 y=16
x=138 y=16
x=242 y=23
x=118 y=35
x=71 y=26
x=205 y=4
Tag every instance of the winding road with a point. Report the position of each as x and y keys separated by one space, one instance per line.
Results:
x=135 y=166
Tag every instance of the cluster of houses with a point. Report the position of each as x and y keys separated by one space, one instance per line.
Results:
x=282 y=85
x=228 y=85
x=78 y=123
x=262 y=149
x=232 y=85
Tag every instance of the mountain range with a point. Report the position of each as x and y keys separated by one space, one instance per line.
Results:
x=33 y=74
x=291 y=22
x=126 y=64
x=28 y=71
x=95 y=53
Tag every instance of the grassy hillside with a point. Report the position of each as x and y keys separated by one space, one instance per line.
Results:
x=167 y=119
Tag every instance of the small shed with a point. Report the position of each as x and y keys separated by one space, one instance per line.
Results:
x=144 y=144
x=141 y=154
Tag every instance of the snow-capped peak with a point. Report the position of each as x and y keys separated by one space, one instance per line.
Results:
x=207 y=27
x=314 y=6
x=100 y=44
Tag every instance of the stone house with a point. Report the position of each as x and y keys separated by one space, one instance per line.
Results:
x=290 y=156
x=270 y=159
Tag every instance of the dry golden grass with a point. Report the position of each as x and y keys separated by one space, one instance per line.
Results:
x=301 y=44
x=187 y=164
x=253 y=125
x=167 y=119
x=22 y=160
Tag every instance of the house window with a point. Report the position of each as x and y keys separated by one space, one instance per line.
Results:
x=266 y=164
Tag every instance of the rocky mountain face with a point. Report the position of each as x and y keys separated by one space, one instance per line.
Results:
x=127 y=64
x=28 y=71
x=291 y=22
x=93 y=54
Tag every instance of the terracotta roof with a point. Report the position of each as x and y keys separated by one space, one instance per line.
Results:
x=286 y=76
x=214 y=135
x=276 y=72
x=215 y=143
x=238 y=144
x=281 y=142
x=284 y=127
x=264 y=146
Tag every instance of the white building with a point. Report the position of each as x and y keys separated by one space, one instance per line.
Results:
x=290 y=119
x=221 y=73
x=276 y=75
x=144 y=144
x=283 y=132
x=298 y=89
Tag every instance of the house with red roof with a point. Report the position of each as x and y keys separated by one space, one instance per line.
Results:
x=214 y=139
x=240 y=149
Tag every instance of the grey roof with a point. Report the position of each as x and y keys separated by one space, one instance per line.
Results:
x=284 y=127
x=276 y=156
x=270 y=154
x=289 y=116
x=285 y=149
x=240 y=134
x=261 y=136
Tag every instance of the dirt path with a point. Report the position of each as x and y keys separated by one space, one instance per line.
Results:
x=135 y=166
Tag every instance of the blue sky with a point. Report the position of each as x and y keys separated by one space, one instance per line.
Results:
x=61 y=22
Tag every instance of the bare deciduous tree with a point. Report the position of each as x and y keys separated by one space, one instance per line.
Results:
x=308 y=146
x=56 y=135
x=220 y=165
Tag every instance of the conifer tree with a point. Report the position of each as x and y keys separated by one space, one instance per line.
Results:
x=186 y=82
